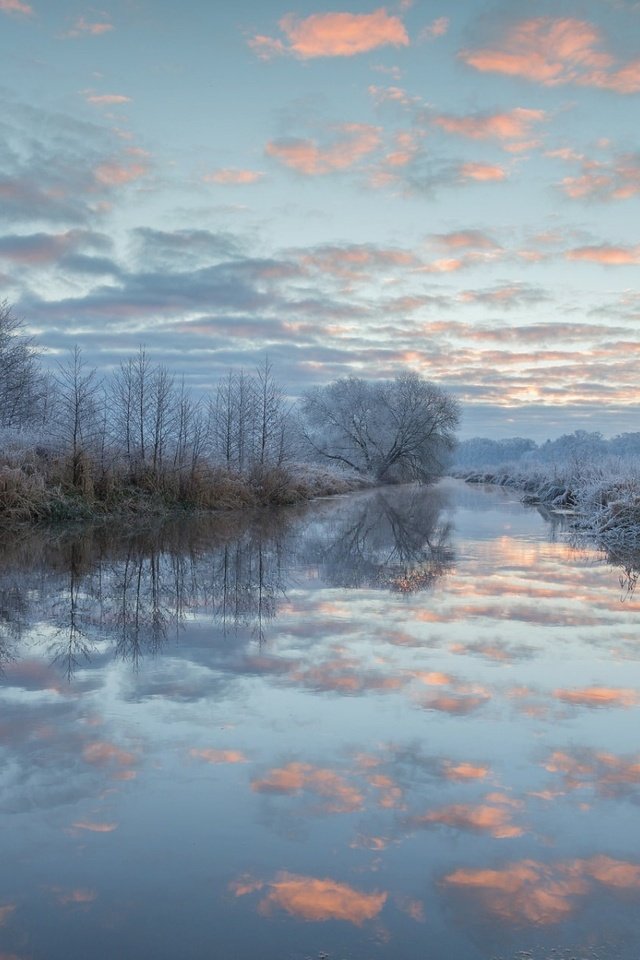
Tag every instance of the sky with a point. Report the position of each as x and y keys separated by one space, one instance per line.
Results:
x=351 y=189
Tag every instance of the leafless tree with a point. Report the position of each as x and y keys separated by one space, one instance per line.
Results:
x=77 y=411
x=19 y=381
x=393 y=430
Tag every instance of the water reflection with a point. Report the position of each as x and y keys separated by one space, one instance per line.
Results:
x=392 y=540
x=138 y=589
x=397 y=723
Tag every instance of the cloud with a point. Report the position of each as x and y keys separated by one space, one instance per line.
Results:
x=46 y=176
x=506 y=125
x=352 y=142
x=616 y=180
x=598 y=697
x=312 y=899
x=42 y=249
x=106 y=99
x=233 y=176
x=83 y=27
x=93 y=827
x=333 y=35
x=116 y=174
x=505 y=295
x=464 y=240
x=16 y=6
x=211 y=755
x=607 y=254
x=354 y=262
x=464 y=771
x=482 y=172
x=457 y=704
x=393 y=95
x=437 y=28
x=556 y=51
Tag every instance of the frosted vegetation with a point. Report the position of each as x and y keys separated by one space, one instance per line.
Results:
x=75 y=443
x=596 y=480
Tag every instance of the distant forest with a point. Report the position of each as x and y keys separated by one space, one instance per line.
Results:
x=581 y=446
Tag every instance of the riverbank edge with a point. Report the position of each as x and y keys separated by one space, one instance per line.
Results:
x=32 y=497
x=605 y=509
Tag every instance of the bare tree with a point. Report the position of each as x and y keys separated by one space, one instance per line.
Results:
x=161 y=404
x=122 y=404
x=19 y=380
x=271 y=415
x=77 y=412
x=393 y=430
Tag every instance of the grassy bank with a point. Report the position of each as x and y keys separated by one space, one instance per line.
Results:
x=37 y=486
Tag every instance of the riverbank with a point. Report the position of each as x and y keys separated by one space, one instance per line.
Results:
x=602 y=501
x=41 y=488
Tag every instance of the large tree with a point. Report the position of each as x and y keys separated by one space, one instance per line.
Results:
x=393 y=430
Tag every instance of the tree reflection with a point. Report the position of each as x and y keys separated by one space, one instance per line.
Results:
x=109 y=590
x=135 y=590
x=395 y=539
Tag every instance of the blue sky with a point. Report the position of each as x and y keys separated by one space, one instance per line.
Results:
x=351 y=188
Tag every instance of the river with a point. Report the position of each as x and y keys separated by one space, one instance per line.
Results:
x=400 y=724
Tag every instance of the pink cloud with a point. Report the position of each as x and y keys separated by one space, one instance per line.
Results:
x=356 y=262
x=613 y=256
x=484 y=172
x=233 y=176
x=266 y=47
x=391 y=94
x=333 y=35
x=464 y=240
x=513 y=124
x=212 y=755
x=599 y=697
x=107 y=99
x=619 y=180
x=555 y=51
x=353 y=142
x=83 y=27
x=95 y=827
x=437 y=28
x=117 y=174
x=16 y=6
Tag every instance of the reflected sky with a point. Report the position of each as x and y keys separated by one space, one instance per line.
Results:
x=397 y=723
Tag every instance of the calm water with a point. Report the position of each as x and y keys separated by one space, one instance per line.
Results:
x=402 y=724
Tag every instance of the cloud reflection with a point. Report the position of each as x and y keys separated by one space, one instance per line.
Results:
x=295 y=778
x=312 y=899
x=540 y=894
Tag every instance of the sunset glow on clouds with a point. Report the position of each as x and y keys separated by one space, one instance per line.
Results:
x=334 y=35
x=555 y=51
x=16 y=6
x=376 y=190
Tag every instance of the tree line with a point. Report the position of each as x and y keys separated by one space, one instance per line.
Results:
x=141 y=425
